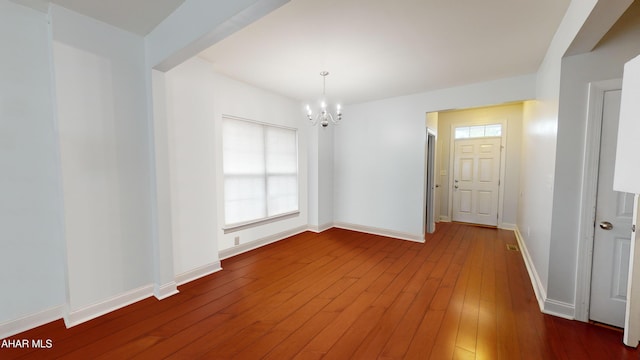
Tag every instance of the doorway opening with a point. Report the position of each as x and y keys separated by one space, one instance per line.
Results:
x=501 y=122
x=476 y=174
x=430 y=168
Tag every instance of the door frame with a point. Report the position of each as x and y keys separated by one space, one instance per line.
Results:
x=430 y=182
x=586 y=229
x=503 y=162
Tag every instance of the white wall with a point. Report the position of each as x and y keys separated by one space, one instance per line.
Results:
x=102 y=116
x=512 y=116
x=379 y=153
x=603 y=63
x=79 y=223
x=31 y=220
x=551 y=161
x=197 y=97
x=320 y=165
x=190 y=111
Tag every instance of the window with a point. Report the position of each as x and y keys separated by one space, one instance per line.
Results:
x=477 y=131
x=260 y=166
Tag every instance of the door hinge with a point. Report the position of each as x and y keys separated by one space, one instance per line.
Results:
x=633 y=228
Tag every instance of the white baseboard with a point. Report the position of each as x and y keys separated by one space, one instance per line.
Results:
x=507 y=226
x=320 y=228
x=199 y=272
x=559 y=309
x=242 y=248
x=29 y=322
x=445 y=218
x=547 y=306
x=164 y=291
x=76 y=317
x=382 y=232
x=538 y=288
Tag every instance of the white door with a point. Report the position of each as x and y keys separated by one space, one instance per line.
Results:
x=476 y=180
x=612 y=236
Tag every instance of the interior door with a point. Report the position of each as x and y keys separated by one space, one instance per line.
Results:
x=430 y=221
x=612 y=235
x=476 y=180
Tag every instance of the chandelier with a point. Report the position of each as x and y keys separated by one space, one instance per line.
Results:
x=324 y=116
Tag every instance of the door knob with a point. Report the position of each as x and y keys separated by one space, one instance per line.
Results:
x=606 y=225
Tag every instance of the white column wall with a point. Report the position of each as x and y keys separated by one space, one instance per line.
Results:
x=32 y=270
x=538 y=171
x=190 y=123
x=102 y=117
x=320 y=164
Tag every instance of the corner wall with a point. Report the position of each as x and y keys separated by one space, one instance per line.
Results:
x=379 y=154
x=197 y=97
x=605 y=62
x=32 y=248
x=105 y=163
x=550 y=252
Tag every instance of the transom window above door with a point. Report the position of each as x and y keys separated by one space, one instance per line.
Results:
x=478 y=131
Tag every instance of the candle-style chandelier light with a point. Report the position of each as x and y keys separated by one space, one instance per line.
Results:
x=324 y=116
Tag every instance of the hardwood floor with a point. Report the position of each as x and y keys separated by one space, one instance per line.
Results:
x=345 y=295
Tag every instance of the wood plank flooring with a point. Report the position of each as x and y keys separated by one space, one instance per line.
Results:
x=345 y=295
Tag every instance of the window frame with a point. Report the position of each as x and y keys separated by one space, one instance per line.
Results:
x=232 y=227
x=484 y=130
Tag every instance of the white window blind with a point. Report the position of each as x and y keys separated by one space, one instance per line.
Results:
x=260 y=166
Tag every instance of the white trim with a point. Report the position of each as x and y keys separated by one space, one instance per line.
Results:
x=198 y=273
x=445 y=218
x=162 y=292
x=259 y=222
x=631 y=325
x=429 y=193
x=547 y=306
x=242 y=248
x=507 y=226
x=588 y=195
x=321 y=228
x=91 y=312
x=538 y=288
x=559 y=309
x=31 y=321
x=256 y=122
x=383 y=232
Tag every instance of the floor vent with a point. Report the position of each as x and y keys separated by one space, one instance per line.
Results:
x=512 y=247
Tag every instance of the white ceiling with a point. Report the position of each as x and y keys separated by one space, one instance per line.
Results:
x=373 y=49
x=376 y=49
x=136 y=16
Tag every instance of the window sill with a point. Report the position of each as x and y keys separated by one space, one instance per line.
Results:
x=250 y=224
